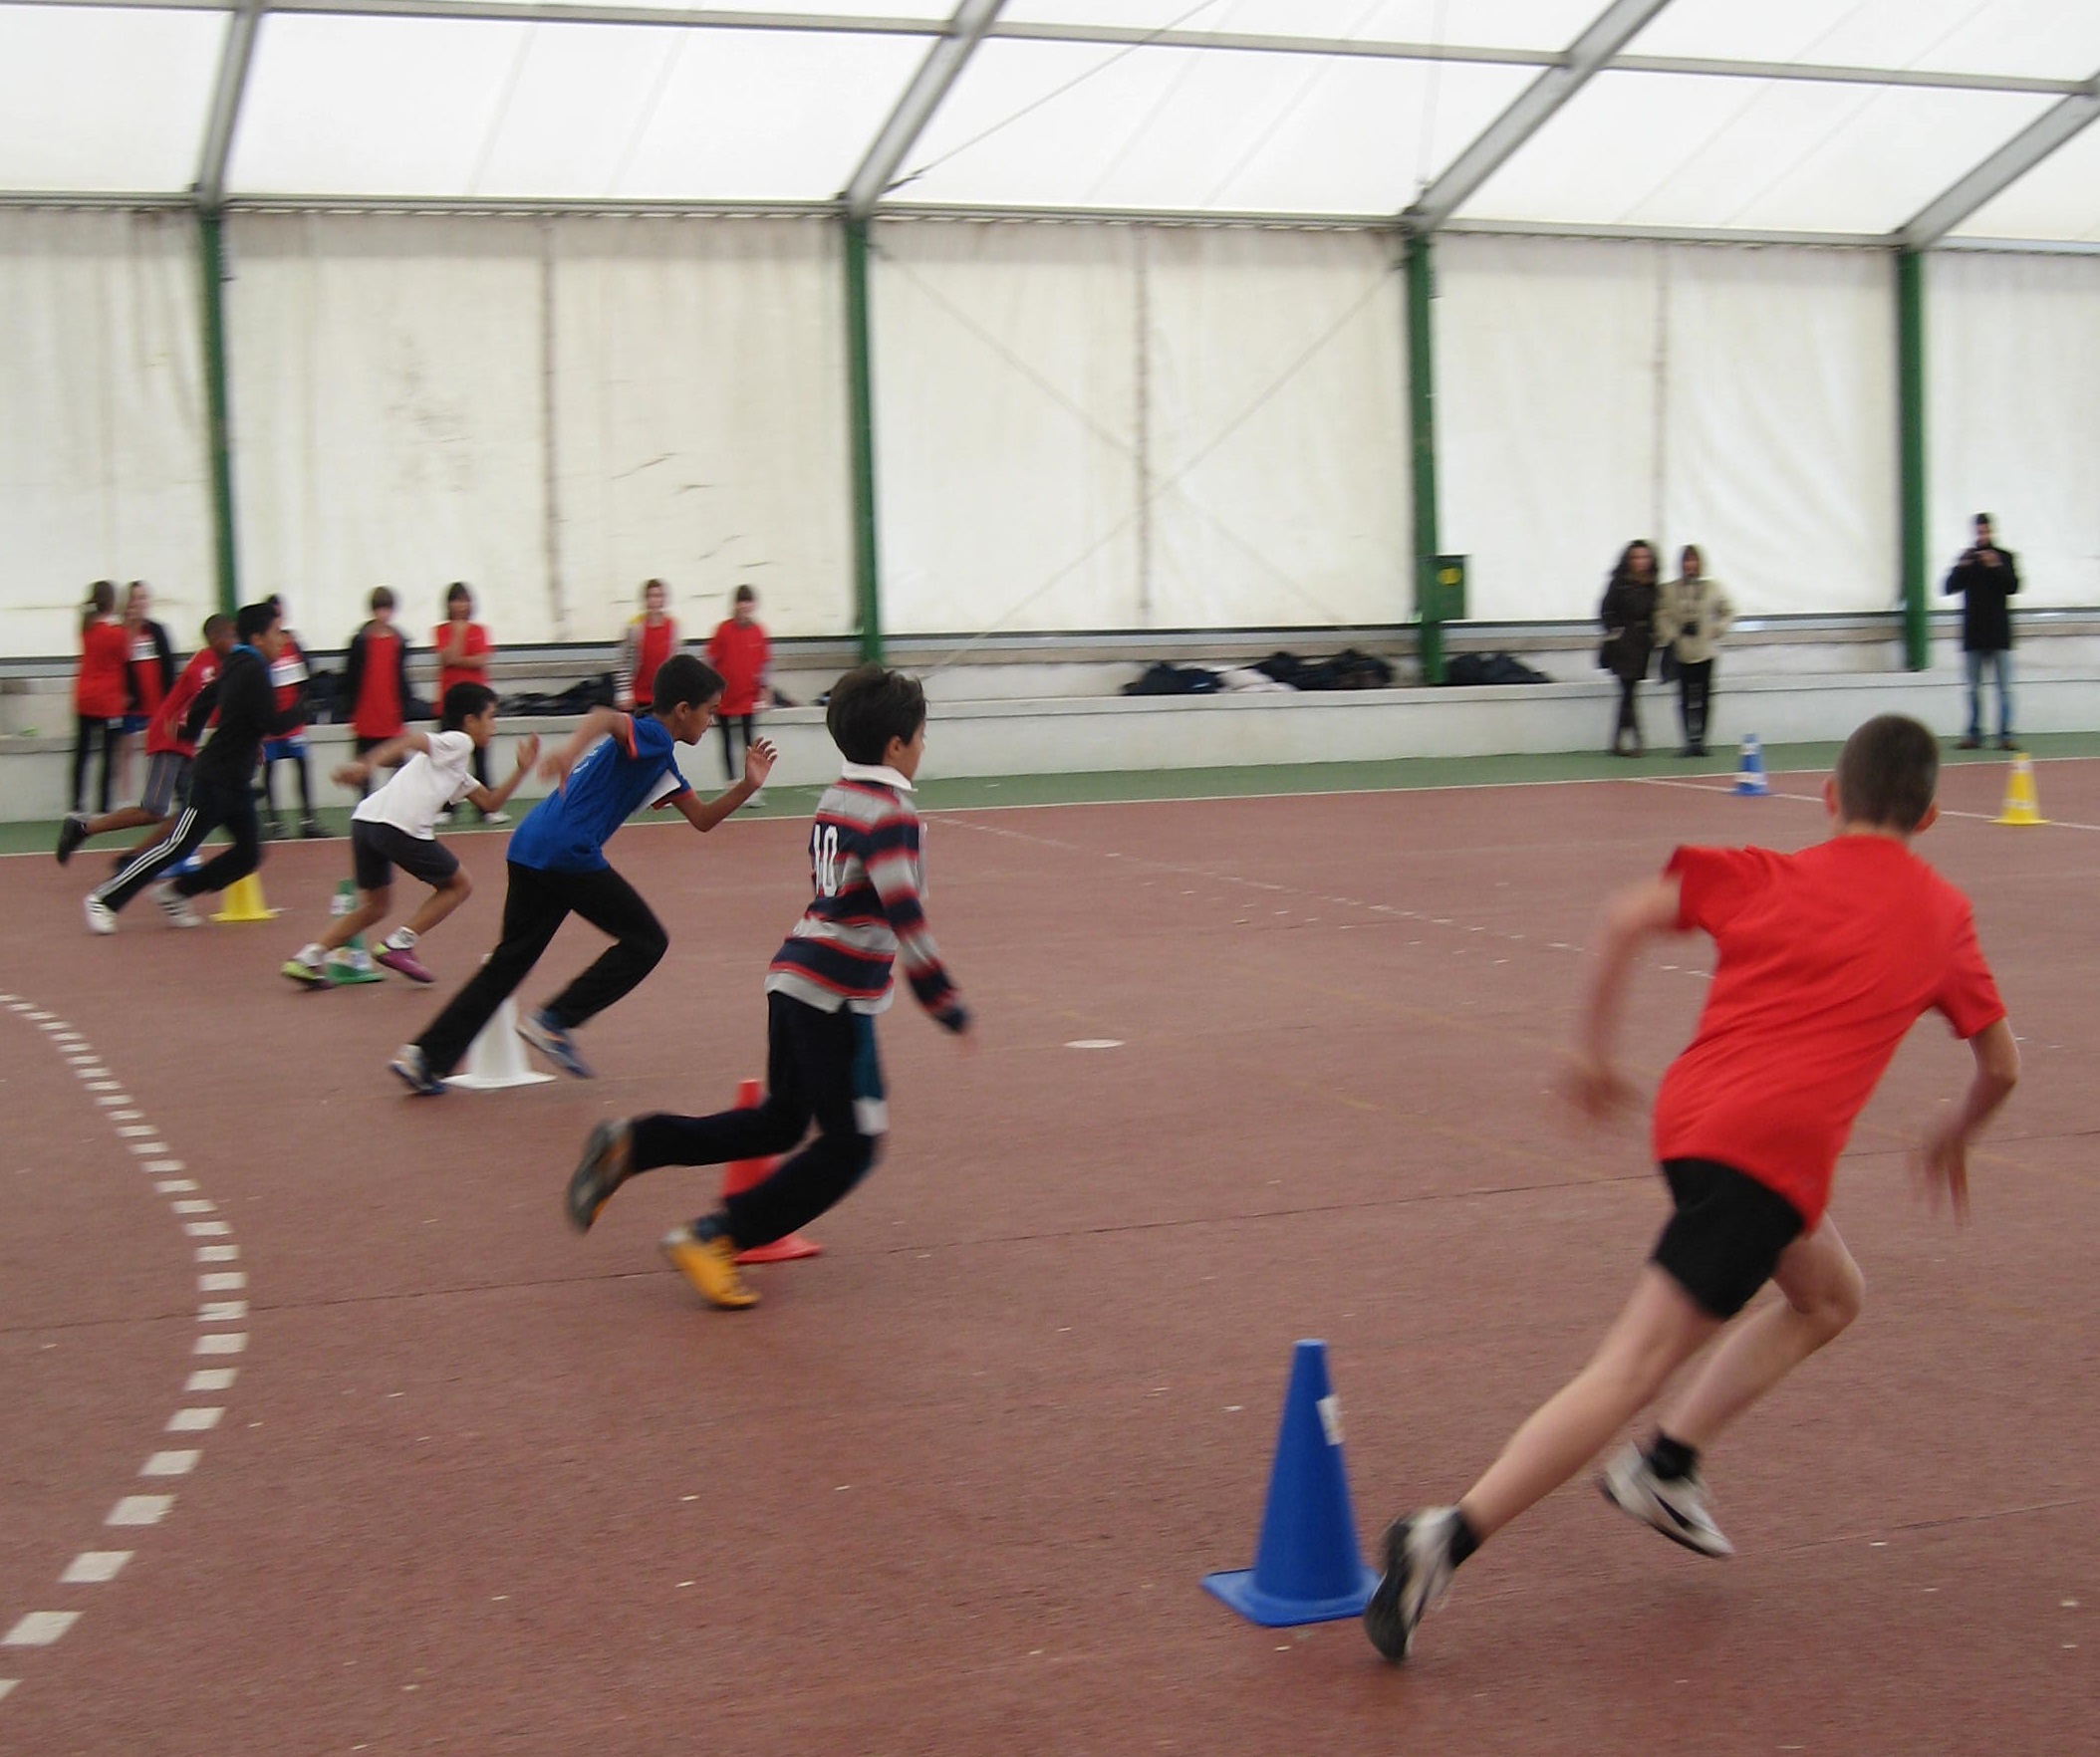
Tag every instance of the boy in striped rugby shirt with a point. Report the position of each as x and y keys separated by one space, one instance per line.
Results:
x=825 y=987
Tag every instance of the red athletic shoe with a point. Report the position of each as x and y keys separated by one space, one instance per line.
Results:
x=404 y=962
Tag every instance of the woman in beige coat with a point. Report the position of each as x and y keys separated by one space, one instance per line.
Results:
x=1693 y=614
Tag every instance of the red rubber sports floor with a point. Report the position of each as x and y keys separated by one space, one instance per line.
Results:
x=480 y=1485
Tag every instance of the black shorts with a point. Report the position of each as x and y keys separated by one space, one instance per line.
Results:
x=376 y=849
x=1724 y=1242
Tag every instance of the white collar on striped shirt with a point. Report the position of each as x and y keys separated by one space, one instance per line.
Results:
x=882 y=772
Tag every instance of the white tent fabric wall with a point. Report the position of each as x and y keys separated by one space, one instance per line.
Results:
x=103 y=460
x=1276 y=434
x=2012 y=408
x=388 y=393
x=701 y=420
x=1006 y=425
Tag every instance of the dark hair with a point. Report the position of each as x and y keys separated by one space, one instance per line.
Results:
x=1887 y=773
x=255 y=621
x=649 y=586
x=455 y=592
x=381 y=599
x=1625 y=568
x=744 y=595
x=274 y=601
x=680 y=680
x=869 y=706
x=215 y=624
x=462 y=702
x=1983 y=519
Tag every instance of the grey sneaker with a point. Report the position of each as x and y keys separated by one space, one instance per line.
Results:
x=546 y=1035
x=1417 y=1551
x=409 y=1066
x=175 y=906
x=1676 y=1507
x=72 y=833
x=607 y=1163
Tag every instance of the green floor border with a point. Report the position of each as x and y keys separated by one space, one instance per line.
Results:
x=1399 y=775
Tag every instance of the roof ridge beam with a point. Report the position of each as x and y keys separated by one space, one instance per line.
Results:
x=2005 y=167
x=935 y=77
x=235 y=58
x=1492 y=147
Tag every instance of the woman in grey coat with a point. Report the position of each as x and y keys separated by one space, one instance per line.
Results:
x=1693 y=614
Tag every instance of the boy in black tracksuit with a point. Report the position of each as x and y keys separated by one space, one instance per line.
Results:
x=220 y=782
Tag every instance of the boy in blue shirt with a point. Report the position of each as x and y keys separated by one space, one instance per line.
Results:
x=615 y=763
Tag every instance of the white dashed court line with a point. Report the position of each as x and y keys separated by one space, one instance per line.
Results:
x=141 y=1510
x=39 y=1628
x=95 y=1567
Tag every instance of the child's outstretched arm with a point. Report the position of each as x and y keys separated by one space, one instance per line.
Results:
x=492 y=798
x=386 y=756
x=1634 y=915
x=1943 y=1158
x=599 y=723
x=703 y=814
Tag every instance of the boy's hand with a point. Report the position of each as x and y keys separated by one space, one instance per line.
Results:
x=759 y=759
x=557 y=764
x=528 y=751
x=353 y=774
x=1597 y=1089
x=1940 y=1165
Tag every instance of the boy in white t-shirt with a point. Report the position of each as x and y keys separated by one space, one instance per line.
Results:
x=392 y=828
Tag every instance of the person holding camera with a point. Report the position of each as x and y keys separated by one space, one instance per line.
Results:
x=1692 y=615
x=1987 y=577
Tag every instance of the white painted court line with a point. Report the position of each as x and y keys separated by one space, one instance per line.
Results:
x=195 y=1205
x=222 y=1312
x=6 y=1684
x=173 y=1185
x=1095 y=1043
x=212 y=1378
x=224 y=1343
x=205 y=1228
x=95 y=1567
x=170 y=1464
x=194 y=1421
x=39 y=1628
x=224 y=1281
x=218 y=1253
x=141 y=1510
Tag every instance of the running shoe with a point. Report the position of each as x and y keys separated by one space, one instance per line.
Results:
x=414 y=1071
x=496 y=816
x=710 y=1266
x=175 y=906
x=101 y=917
x=404 y=961
x=1417 y=1561
x=309 y=975
x=72 y=833
x=553 y=1041
x=310 y=829
x=608 y=1163
x=1674 y=1506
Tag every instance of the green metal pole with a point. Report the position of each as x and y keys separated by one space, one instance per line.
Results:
x=1422 y=426
x=1910 y=401
x=868 y=594
x=210 y=222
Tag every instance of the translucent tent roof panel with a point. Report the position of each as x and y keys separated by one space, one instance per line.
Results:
x=104 y=100
x=451 y=108
x=1709 y=152
x=1543 y=26
x=1074 y=125
x=2058 y=201
x=2031 y=39
x=931 y=12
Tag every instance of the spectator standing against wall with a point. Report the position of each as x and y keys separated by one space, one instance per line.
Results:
x=1692 y=615
x=463 y=653
x=1629 y=617
x=288 y=677
x=740 y=651
x=148 y=676
x=651 y=638
x=375 y=681
x=100 y=691
x=1987 y=577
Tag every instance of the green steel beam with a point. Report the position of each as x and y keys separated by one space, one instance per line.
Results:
x=1909 y=403
x=212 y=251
x=868 y=592
x=1422 y=432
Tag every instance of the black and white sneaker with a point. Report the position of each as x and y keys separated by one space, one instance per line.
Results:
x=72 y=833
x=409 y=1068
x=1416 y=1553
x=1674 y=1506
x=174 y=906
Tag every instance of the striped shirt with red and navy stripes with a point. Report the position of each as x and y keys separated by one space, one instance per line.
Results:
x=867 y=879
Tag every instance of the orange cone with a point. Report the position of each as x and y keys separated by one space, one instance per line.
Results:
x=742 y=1174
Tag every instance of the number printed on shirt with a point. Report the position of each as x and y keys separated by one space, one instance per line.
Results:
x=823 y=858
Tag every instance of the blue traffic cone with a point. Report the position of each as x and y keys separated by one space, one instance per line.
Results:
x=1749 y=773
x=1307 y=1567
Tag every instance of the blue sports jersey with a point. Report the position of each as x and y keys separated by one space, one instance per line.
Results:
x=567 y=829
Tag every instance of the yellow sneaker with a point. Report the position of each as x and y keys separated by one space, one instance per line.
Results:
x=710 y=1266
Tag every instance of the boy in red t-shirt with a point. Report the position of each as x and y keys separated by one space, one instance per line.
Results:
x=375 y=681
x=738 y=649
x=1827 y=958
x=463 y=652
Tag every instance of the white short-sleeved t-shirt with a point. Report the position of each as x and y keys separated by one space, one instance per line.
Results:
x=424 y=786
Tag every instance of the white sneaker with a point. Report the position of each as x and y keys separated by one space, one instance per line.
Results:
x=349 y=957
x=101 y=917
x=758 y=798
x=495 y=817
x=1676 y=1507
x=175 y=906
x=1418 y=1563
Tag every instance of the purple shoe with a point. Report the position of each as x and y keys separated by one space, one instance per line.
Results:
x=406 y=962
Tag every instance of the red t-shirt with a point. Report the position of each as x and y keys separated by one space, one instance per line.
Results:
x=377 y=713
x=164 y=733
x=653 y=643
x=478 y=644
x=100 y=691
x=1827 y=960
x=740 y=652
x=145 y=671
x=286 y=673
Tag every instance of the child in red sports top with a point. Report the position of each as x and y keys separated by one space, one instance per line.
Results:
x=100 y=691
x=148 y=677
x=738 y=649
x=376 y=678
x=1826 y=959
x=288 y=677
x=463 y=652
x=651 y=638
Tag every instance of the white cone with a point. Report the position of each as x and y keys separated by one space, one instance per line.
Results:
x=496 y=1058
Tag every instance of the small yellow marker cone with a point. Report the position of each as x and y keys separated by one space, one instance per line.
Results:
x=2020 y=807
x=244 y=902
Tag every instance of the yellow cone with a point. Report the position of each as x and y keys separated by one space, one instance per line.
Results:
x=244 y=902
x=2022 y=807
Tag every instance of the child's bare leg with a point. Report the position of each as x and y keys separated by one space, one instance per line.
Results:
x=1824 y=1290
x=442 y=902
x=372 y=907
x=1660 y=1328
x=125 y=817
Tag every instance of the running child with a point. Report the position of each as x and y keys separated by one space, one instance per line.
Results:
x=1826 y=958
x=168 y=752
x=614 y=763
x=823 y=992
x=392 y=828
